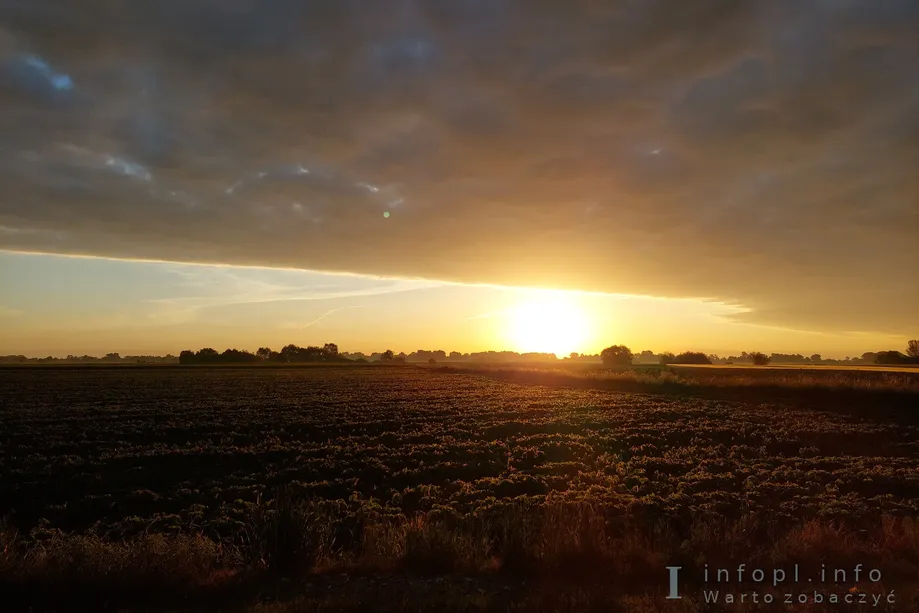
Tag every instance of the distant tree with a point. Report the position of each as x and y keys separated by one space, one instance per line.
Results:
x=455 y=355
x=616 y=355
x=207 y=355
x=889 y=357
x=667 y=358
x=574 y=355
x=235 y=356
x=264 y=353
x=912 y=349
x=816 y=358
x=387 y=356
x=290 y=353
x=399 y=359
x=187 y=357
x=759 y=359
x=692 y=357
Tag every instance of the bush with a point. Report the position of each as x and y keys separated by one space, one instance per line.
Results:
x=760 y=359
x=890 y=357
x=616 y=355
x=691 y=357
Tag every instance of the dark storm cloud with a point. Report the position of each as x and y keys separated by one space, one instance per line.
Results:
x=758 y=153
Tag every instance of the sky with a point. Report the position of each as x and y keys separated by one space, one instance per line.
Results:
x=710 y=175
x=59 y=305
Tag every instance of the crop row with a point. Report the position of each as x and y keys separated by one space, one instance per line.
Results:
x=168 y=450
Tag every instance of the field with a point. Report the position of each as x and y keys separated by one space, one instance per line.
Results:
x=465 y=490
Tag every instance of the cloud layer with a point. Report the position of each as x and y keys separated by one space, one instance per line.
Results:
x=762 y=154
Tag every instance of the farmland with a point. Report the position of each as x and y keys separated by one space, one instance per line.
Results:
x=486 y=472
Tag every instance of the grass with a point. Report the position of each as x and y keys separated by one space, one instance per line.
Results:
x=579 y=555
x=888 y=393
x=704 y=376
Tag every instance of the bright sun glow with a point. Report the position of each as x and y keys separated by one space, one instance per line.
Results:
x=552 y=323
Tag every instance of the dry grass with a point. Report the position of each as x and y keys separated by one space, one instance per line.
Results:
x=73 y=571
x=582 y=555
x=902 y=380
x=893 y=395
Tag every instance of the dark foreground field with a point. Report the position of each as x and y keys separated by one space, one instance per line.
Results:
x=409 y=489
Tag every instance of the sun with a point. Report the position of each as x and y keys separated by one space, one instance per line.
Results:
x=550 y=323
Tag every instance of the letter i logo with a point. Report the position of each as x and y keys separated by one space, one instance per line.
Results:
x=674 y=583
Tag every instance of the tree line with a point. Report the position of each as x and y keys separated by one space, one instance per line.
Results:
x=109 y=358
x=288 y=354
x=621 y=355
x=614 y=355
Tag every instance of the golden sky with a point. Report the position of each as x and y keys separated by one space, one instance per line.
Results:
x=58 y=305
x=704 y=153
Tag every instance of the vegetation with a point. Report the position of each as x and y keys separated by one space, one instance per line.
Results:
x=666 y=358
x=177 y=486
x=109 y=358
x=289 y=354
x=616 y=355
x=329 y=353
x=691 y=357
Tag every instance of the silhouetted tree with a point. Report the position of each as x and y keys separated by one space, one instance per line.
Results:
x=289 y=353
x=889 y=357
x=691 y=357
x=331 y=350
x=387 y=356
x=207 y=355
x=759 y=359
x=667 y=358
x=235 y=356
x=912 y=349
x=616 y=355
x=264 y=353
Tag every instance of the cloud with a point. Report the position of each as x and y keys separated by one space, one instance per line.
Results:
x=316 y=320
x=207 y=287
x=760 y=154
